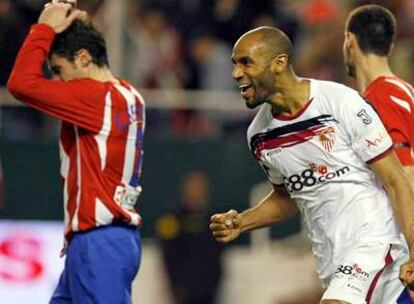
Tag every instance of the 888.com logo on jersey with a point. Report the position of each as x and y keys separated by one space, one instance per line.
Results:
x=315 y=175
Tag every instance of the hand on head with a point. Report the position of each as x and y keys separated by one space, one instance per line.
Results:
x=60 y=14
x=225 y=227
x=74 y=3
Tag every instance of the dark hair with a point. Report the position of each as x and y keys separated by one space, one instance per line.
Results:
x=374 y=27
x=81 y=35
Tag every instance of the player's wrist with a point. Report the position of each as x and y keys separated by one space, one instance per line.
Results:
x=245 y=223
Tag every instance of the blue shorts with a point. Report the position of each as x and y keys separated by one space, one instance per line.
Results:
x=404 y=298
x=100 y=266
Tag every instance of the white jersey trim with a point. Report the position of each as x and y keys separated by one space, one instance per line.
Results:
x=130 y=149
x=102 y=215
x=64 y=172
x=400 y=85
x=75 y=220
x=102 y=137
x=402 y=103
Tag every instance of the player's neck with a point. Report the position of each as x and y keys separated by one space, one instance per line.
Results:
x=102 y=74
x=370 y=68
x=292 y=95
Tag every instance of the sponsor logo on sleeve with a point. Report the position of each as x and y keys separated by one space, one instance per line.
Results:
x=375 y=141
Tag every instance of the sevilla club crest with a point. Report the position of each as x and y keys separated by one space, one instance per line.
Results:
x=327 y=138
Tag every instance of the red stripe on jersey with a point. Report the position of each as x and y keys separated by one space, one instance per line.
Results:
x=388 y=261
x=291 y=117
x=94 y=150
x=288 y=140
x=70 y=180
x=89 y=169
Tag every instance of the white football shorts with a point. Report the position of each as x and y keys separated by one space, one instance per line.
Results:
x=368 y=274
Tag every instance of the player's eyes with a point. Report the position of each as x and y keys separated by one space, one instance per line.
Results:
x=245 y=61
x=55 y=70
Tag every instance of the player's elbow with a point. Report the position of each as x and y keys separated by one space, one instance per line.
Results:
x=15 y=87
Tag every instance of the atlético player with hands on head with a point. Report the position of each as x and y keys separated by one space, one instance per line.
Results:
x=369 y=39
x=100 y=147
x=329 y=157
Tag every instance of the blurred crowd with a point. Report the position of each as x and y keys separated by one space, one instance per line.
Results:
x=187 y=44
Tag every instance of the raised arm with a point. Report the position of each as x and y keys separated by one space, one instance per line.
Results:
x=274 y=208
x=76 y=101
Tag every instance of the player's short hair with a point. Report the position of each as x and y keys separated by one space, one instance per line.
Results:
x=278 y=41
x=81 y=35
x=275 y=40
x=374 y=27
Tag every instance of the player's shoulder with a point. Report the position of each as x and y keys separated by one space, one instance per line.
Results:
x=389 y=94
x=386 y=86
x=334 y=94
x=331 y=87
x=124 y=84
x=398 y=86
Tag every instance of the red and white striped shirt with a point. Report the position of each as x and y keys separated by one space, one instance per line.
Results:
x=100 y=141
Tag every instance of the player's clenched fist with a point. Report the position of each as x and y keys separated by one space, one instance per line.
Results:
x=225 y=227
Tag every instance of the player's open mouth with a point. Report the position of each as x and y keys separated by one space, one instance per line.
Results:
x=245 y=89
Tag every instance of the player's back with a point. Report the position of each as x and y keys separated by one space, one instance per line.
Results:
x=101 y=163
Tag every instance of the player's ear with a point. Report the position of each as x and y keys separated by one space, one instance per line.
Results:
x=84 y=57
x=350 y=39
x=279 y=63
x=391 y=48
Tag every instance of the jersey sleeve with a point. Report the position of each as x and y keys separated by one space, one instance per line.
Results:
x=80 y=102
x=364 y=128
x=273 y=176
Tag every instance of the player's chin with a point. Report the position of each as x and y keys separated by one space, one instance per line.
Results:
x=252 y=103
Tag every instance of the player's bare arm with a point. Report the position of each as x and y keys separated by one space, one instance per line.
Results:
x=274 y=208
x=409 y=170
x=398 y=187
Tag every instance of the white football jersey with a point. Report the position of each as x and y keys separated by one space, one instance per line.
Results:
x=321 y=156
